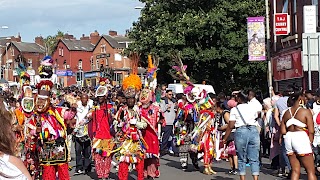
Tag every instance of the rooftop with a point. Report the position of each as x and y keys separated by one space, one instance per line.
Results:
x=29 y=47
x=117 y=41
x=78 y=45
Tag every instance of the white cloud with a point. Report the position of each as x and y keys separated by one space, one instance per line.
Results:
x=44 y=17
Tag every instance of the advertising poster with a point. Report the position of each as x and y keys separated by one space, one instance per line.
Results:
x=256 y=39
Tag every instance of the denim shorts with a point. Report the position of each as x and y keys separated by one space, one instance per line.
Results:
x=247 y=141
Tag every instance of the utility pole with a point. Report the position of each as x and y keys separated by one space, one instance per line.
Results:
x=269 y=75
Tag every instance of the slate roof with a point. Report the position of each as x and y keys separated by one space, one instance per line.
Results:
x=117 y=41
x=3 y=40
x=29 y=47
x=78 y=45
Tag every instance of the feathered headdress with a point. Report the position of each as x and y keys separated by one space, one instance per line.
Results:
x=151 y=78
x=182 y=75
x=131 y=85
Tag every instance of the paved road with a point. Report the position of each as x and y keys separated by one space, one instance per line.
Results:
x=170 y=170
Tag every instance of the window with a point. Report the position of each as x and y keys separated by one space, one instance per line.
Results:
x=107 y=62
x=103 y=48
x=2 y=71
x=97 y=64
x=80 y=64
x=285 y=6
x=59 y=51
x=15 y=65
x=117 y=57
x=30 y=63
x=118 y=77
x=12 y=51
x=91 y=64
x=294 y=18
x=315 y=2
x=62 y=51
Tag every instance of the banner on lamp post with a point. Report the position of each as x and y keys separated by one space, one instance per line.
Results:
x=256 y=39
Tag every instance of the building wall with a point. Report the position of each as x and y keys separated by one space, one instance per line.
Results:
x=72 y=59
x=116 y=62
x=292 y=41
x=11 y=64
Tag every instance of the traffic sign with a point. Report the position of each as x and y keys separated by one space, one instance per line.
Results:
x=281 y=24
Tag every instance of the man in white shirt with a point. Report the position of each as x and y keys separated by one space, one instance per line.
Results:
x=82 y=139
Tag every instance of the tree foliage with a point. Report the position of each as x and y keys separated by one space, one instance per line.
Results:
x=210 y=34
x=51 y=41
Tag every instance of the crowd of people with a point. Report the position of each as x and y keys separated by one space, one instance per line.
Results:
x=132 y=126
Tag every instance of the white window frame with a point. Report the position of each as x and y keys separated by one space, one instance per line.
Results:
x=30 y=63
x=285 y=6
x=12 y=51
x=59 y=51
x=97 y=64
x=315 y=2
x=62 y=51
x=80 y=64
x=103 y=48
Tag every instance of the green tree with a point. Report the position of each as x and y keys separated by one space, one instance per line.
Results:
x=51 y=41
x=210 y=34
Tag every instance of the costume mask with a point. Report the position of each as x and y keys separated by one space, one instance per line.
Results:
x=101 y=91
x=27 y=102
x=42 y=103
x=145 y=96
x=130 y=92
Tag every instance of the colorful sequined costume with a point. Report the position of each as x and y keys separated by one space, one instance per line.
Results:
x=51 y=132
x=102 y=143
x=128 y=126
x=150 y=113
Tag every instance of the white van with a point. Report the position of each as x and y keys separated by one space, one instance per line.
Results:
x=178 y=88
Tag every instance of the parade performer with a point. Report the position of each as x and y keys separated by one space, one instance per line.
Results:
x=151 y=114
x=206 y=131
x=51 y=133
x=128 y=125
x=102 y=143
x=46 y=72
x=187 y=117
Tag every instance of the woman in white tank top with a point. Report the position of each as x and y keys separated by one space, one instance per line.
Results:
x=10 y=167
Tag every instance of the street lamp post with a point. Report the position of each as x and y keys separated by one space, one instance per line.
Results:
x=268 y=49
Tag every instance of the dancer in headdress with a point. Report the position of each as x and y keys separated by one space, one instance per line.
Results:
x=46 y=72
x=128 y=126
x=51 y=133
x=186 y=120
x=151 y=114
x=102 y=143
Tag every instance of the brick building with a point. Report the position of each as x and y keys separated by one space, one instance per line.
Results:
x=32 y=52
x=286 y=50
x=72 y=55
x=108 y=54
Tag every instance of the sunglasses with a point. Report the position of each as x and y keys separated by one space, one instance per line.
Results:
x=170 y=94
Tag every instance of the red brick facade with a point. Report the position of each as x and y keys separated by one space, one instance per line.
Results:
x=282 y=45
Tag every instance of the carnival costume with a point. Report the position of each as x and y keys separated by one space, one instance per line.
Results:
x=46 y=72
x=187 y=117
x=151 y=114
x=128 y=126
x=102 y=143
x=195 y=126
x=51 y=133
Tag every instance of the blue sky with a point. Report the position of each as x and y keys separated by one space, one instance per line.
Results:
x=32 y=18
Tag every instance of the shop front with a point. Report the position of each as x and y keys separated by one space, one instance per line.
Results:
x=91 y=78
x=64 y=77
x=287 y=69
